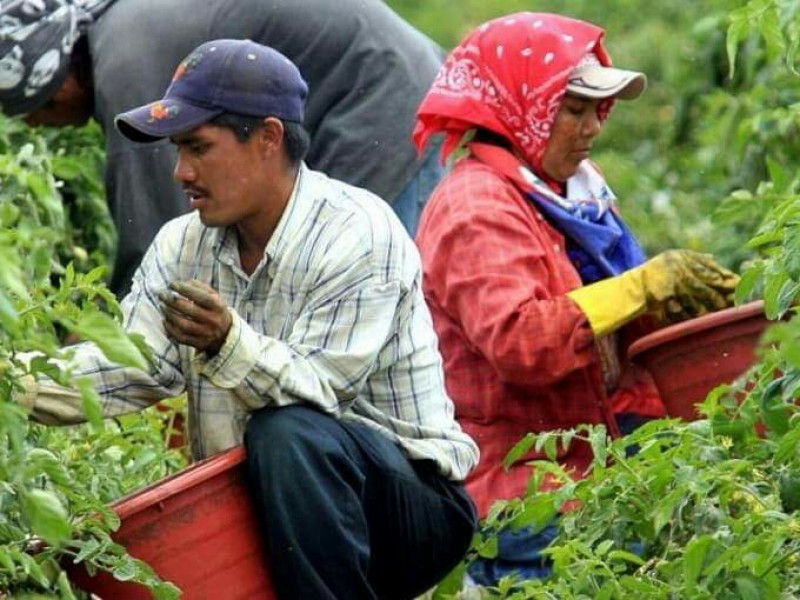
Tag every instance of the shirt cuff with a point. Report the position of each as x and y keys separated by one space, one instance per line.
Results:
x=27 y=397
x=235 y=359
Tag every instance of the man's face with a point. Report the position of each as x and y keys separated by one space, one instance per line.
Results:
x=223 y=177
x=72 y=104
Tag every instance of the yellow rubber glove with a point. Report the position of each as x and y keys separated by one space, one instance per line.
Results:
x=673 y=286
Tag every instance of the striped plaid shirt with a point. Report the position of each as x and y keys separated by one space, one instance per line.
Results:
x=332 y=317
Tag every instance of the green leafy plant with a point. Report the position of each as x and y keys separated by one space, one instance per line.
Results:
x=706 y=509
x=55 y=484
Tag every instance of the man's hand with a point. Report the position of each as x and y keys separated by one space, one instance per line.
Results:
x=195 y=315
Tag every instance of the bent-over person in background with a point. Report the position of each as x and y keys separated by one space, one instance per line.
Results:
x=66 y=61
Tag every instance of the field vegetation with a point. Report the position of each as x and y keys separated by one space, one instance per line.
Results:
x=707 y=159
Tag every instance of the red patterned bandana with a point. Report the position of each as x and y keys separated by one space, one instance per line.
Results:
x=509 y=76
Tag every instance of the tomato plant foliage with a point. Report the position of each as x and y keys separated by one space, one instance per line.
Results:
x=56 y=483
x=702 y=510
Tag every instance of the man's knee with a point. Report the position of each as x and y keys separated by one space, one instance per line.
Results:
x=275 y=427
x=292 y=433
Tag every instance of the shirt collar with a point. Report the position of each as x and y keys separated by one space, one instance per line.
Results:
x=292 y=219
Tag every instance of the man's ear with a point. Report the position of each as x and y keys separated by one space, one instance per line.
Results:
x=272 y=134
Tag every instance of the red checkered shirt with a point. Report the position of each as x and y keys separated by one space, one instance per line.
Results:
x=519 y=354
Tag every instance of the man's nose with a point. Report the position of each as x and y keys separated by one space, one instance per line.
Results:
x=183 y=170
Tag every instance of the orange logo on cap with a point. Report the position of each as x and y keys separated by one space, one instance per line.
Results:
x=188 y=64
x=160 y=111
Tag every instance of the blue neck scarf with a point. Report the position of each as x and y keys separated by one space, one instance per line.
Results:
x=598 y=247
x=599 y=244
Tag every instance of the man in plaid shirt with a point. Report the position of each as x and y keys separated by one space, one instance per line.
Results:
x=288 y=305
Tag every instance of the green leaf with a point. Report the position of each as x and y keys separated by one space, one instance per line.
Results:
x=43 y=365
x=736 y=32
x=9 y=317
x=127 y=569
x=90 y=402
x=7 y=562
x=773 y=286
x=94 y=275
x=451 y=584
x=779 y=176
x=489 y=548
x=774 y=410
x=750 y=588
x=598 y=439
x=771 y=31
x=47 y=516
x=520 y=449
x=693 y=561
x=64 y=587
x=41 y=461
x=31 y=567
x=86 y=549
x=69 y=277
x=604 y=547
x=540 y=511
x=166 y=591
x=111 y=339
x=664 y=510
x=551 y=448
x=624 y=555
x=788 y=446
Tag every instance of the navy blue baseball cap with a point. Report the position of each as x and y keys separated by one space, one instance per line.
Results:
x=220 y=76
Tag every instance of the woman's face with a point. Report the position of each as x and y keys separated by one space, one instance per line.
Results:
x=574 y=129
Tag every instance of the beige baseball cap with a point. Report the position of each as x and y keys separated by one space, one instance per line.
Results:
x=590 y=79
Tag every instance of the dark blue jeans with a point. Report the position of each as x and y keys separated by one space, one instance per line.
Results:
x=409 y=203
x=345 y=514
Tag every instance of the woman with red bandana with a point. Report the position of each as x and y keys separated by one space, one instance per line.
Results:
x=530 y=273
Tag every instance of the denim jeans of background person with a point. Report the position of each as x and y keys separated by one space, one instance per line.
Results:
x=288 y=306
x=367 y=70
x=409 y=204
x=533 y=279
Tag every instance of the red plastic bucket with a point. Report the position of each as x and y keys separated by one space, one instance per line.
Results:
x=197 y=529
x=690 y=359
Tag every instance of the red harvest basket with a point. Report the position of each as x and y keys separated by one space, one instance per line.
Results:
x=690 y=359
x=198 y=530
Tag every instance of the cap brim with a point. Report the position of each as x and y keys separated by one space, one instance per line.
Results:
x=162 y=119
x=598 y=82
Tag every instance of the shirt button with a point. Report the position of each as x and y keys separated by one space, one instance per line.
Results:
x=556 y=248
